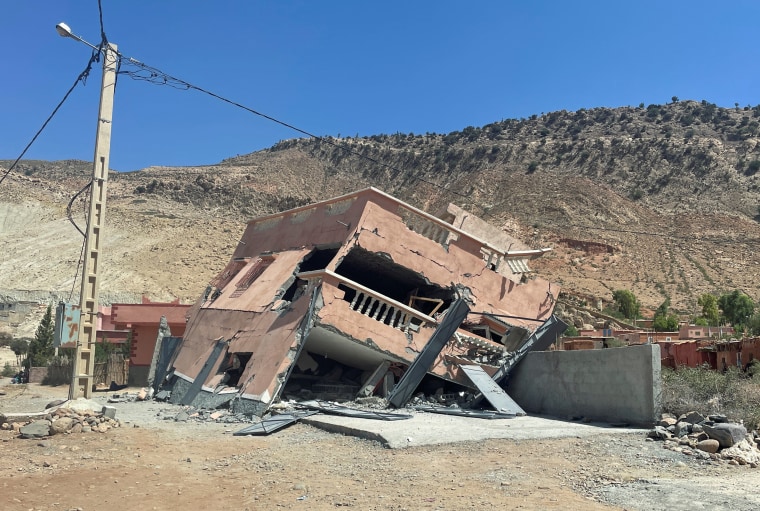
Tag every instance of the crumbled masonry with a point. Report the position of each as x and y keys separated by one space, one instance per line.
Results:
x=336 y=300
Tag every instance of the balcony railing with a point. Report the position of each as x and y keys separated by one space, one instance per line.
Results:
x=397 y=315
x=432 y=228
x=373 y=304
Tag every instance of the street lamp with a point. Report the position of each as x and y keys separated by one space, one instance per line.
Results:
x=83 y=369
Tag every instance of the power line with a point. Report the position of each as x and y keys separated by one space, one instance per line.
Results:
x=81 y=78
x=157 y=77
x=71 y=203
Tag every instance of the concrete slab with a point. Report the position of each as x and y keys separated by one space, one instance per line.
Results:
x=436 y=429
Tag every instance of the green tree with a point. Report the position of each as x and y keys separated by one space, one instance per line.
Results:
x=710 y=312
x=737 y=307
x=19 y=347
x=627 y=303
x=663 y=321
x=41 y=349
x=753 y=325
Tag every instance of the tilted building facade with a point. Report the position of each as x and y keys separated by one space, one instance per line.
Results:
x=319 y=297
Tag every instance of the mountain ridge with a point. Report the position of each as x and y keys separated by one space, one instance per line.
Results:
x=662 y=200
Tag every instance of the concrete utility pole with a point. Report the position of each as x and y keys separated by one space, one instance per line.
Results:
x=84 y=364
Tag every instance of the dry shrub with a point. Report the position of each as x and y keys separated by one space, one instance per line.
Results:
x=704 y=390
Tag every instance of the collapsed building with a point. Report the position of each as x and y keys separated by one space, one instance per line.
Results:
x=338 y=299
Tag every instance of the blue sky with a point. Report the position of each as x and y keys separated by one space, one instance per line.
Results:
x=353 y=67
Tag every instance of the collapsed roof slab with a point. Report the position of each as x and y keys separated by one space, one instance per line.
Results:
x=378 y=275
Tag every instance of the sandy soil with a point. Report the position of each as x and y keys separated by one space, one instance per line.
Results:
x=153 y=463
x=6 y=355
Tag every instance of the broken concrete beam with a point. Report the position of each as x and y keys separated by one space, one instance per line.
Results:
x=368 y=387
x=10 y=418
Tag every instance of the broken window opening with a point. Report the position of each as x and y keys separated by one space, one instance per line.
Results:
x=233 y=368
x=295 y=290
x=485 y=331
x=435 y=390
x=389 y=279
x=319 y=258
x=317 y=377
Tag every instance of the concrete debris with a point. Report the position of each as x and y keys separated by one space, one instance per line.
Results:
x=145 y=394
x=109 y=411
x=82 y=405
x=708 y=439
x=191 y=414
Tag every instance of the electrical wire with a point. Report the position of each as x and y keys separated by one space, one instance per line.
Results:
x=71 y=202
x=155 y=76
x=79 y=263
x=103 y=38
x=81 y=78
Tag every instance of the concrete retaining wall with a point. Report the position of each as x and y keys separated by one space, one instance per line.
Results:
x=611 y=385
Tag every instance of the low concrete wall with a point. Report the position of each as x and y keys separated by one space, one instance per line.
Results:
x=37 y=374
x=611 y=385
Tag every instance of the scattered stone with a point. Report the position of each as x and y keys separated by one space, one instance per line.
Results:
x=743 y=453
x=710 y=445
x=182 y=416
x=667 y=422
x=62 y=425
x=36 y=429
x=727 y=434
x=692 y=418
x=682 y=429
x=660 y=433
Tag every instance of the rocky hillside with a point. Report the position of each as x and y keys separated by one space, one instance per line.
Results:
x=662 y=200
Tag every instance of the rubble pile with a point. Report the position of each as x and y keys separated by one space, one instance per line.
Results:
x=190 y=413
x=710 y=437
x=62 y=421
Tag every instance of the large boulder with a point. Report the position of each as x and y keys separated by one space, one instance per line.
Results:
x=62 y=425
x=727 y=434
x=36 y=429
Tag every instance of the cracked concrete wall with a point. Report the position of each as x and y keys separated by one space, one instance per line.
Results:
x=613 y=385
x=382 y=230
x=255 y=322
x=269 y=336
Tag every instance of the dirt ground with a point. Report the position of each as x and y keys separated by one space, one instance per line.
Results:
x=150 y=463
